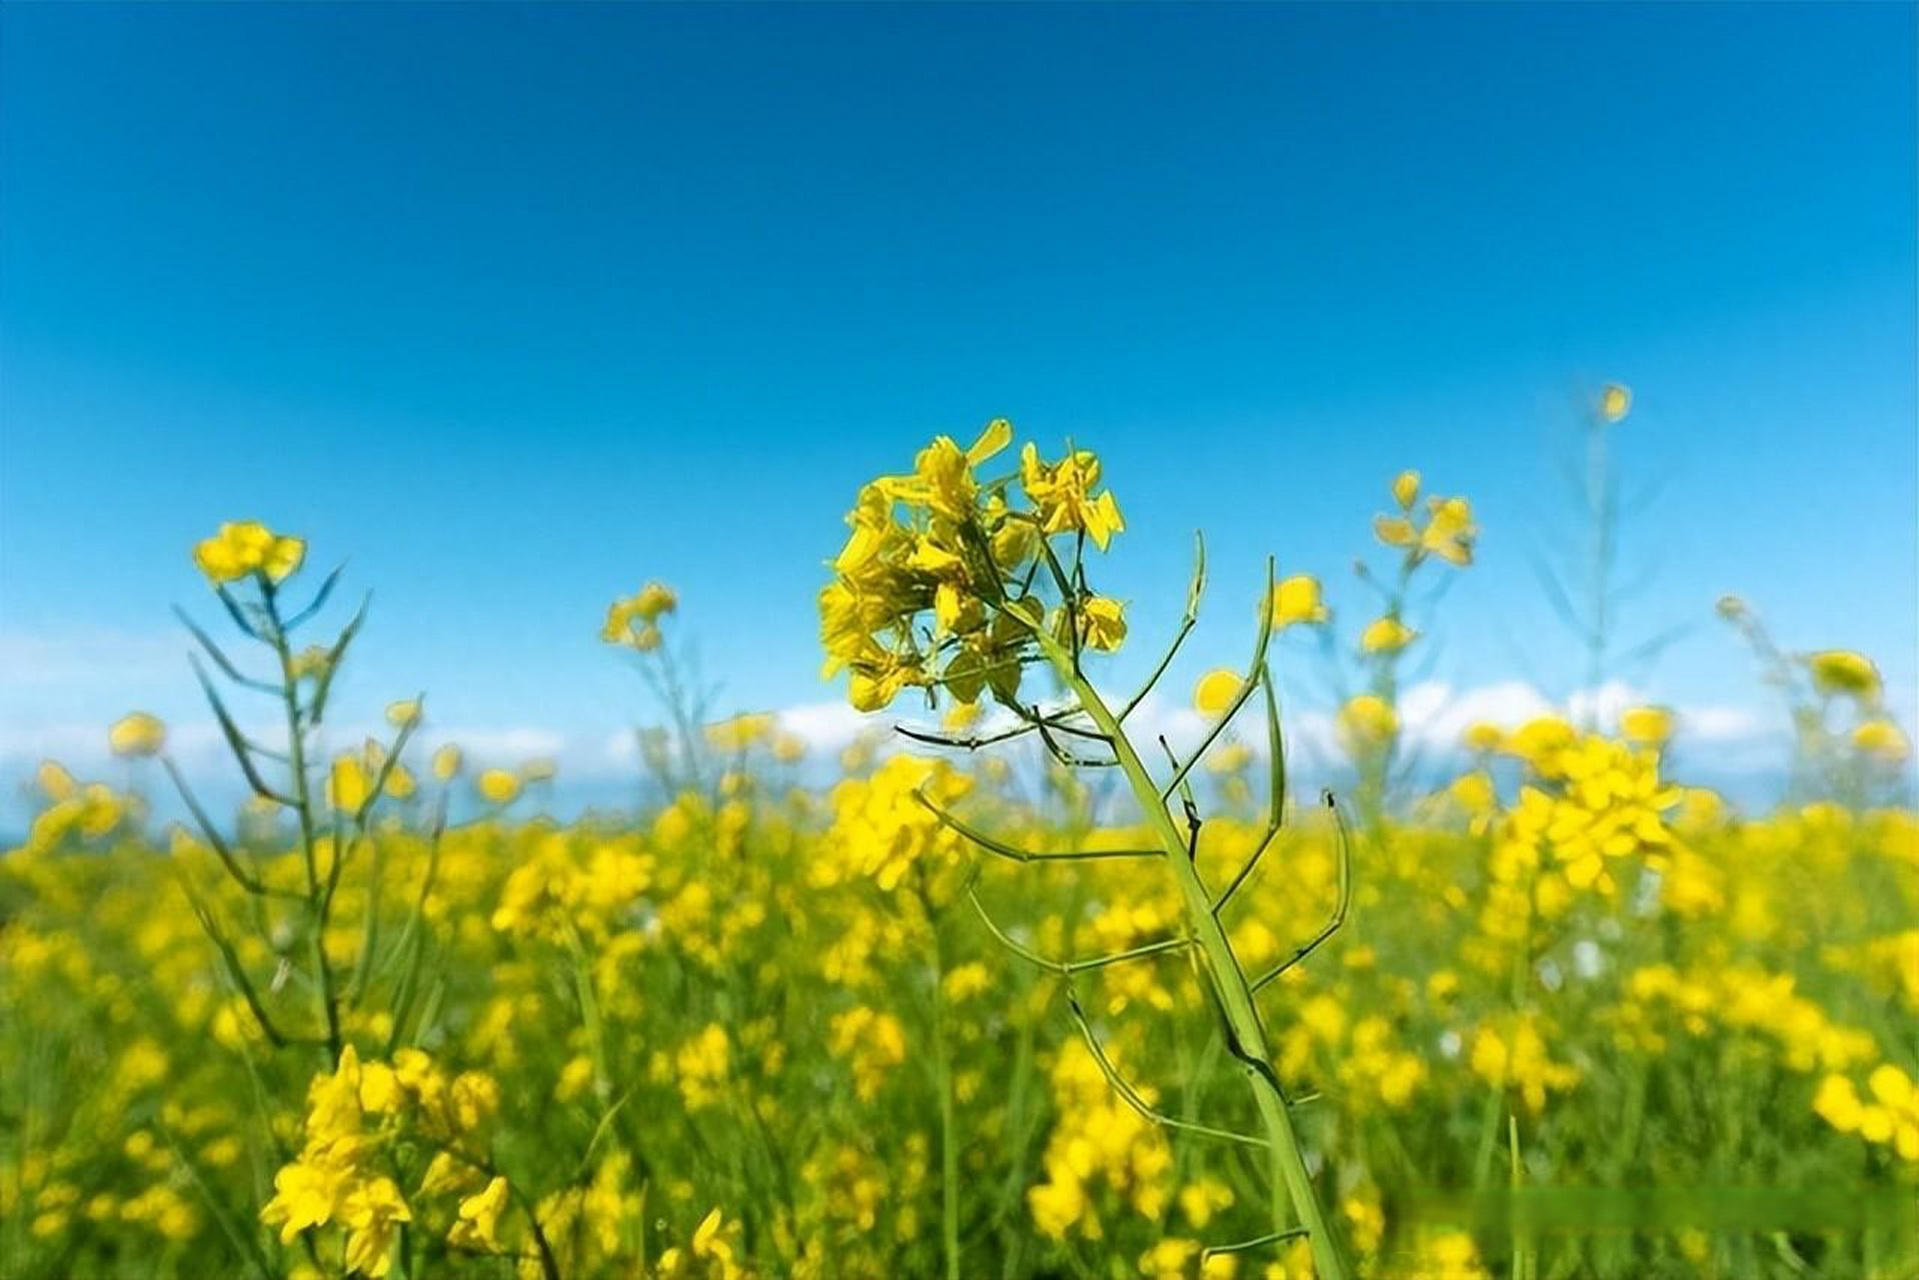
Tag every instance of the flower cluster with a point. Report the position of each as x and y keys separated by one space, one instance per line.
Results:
x=357 y=1116
x=1443 y=528
x=1588 y=802
x=883 y=829
x=247 y=547
x=1887 y=1116
x=937 y=586
x=1099 y=1146
x=635 y=620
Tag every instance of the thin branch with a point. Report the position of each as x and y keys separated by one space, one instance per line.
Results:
x=1066 y=757
x=1058 y=722
x=1276 y=813
x=236 y=973
x=1254 y=672
x=319 y=600
x=1132 y=1095
x=973 y=743
x=1015 y=854
x=220 y=659
x=1194 y=591
x=1339 y=908
x=251 y=883
x=241 y=747
x=238 y=615
x=1257 y=1242
x=1067 y=968
x=1185 y=797
x=324 y=685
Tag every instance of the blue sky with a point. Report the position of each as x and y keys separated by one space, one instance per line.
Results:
x=515 y=308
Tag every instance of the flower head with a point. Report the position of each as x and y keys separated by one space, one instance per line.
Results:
x=1215 y=691
x=1386 y=635
x=934 y=587
x=137 y=734
x=635 y=620
x=1843 y=672
x=1296 y=600
x=247 y=547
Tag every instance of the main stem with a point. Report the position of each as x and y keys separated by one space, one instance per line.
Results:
x=309 y=844
x=1287 y=1160
x=949 y=1127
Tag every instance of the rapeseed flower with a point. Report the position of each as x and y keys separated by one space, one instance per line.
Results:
x=248 y=547
x=137 y=734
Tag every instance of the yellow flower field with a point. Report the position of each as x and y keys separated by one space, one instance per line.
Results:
x=1019 y=992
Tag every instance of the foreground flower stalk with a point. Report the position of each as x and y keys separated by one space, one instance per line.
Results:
x=946 y=543
x=1230 y=984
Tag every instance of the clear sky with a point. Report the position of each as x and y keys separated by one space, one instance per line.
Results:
x=516 y=308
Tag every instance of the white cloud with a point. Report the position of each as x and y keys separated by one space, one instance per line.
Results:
x=829 y=726
x=503 y=745
x=1434 y=714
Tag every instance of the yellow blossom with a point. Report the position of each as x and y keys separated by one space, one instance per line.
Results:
x=479 y=1220
x=1215 y=691
x=498 y=786
x=246 y=547
x=1367 y=721
x=1882 y=739
x=1386 y=635
x=1840 y=671
x=1648 y=726
x=1296 y=599
x=1406 y=489
x=137 y=734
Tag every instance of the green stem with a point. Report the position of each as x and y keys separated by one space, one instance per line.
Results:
x=303 y=804
x=1287 y=1159
x=949 y=1127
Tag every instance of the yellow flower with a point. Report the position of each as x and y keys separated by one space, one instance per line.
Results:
x=1837 y=1103
x=1215 y=691
x=1395 y=531
x=498 y=786
x=245 y=547
x=1881 y=738
x=1840 y=671
x=872 y=1043
x=373 y=1211
x=706 y=1246
x=1482 y=736
x=1386 y=635
x=138 y=734
x=1103 y=622
x=1296 y=600
x=1450 y=530
x=479 y=1221
x=1615 y=402
x=1406 y=489
x=1474 y=792
x=1367 y=721
x=446 y=762
x=403 y=714
x=1649 y=726
x=1062 y=497
x=635 y=620
x=348 y=786
x=53 y=779
x=304 y=1195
